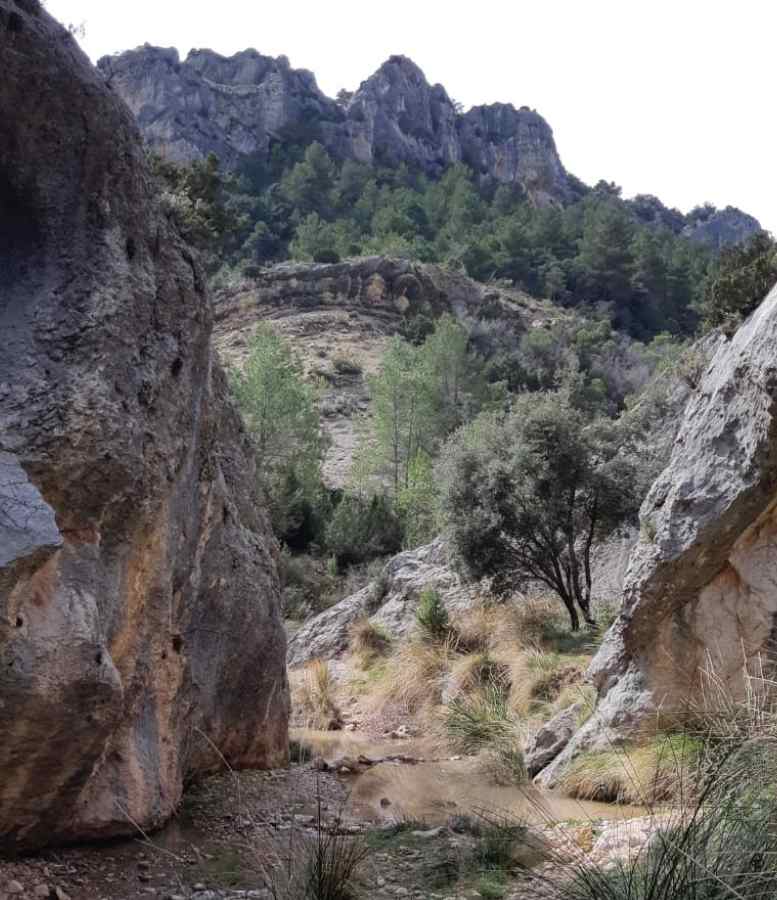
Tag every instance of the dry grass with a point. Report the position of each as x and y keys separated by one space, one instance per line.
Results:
x=314 y=695
x=659 y=771
x=414 y=676
x=368 y=642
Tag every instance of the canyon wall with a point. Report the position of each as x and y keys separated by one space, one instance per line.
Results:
x=140 y=637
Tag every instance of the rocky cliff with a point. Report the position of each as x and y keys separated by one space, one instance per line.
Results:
x=340 y=317
x=239 y=106
x=140 y=637
x=699 y=593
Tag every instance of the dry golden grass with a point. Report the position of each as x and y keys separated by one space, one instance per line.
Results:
x=414 y=675
x=367 y=642
x=314 y=696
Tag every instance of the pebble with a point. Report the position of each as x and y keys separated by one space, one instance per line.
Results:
x=42 y=890
x=14 y=887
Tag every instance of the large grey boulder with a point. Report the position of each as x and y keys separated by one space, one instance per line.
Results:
x=390 y=602
x=700 y=590
x=140 y=635
x=551 y=739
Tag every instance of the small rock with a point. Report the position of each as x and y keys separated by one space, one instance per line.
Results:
x=14 y=887
x=384 y=802
x=42 y=890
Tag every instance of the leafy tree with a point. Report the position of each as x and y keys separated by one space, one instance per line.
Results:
x=279 y=409
x=363 y=528
x=745 y=276
x=420 y=395
x=527 y=495
x=417 y=503
x=308 y=184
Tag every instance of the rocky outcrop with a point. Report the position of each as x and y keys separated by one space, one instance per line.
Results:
x=552 y=738
x=718 y=228
x=700 y=587
x=239 y=106
x=340 y=317
x=140 y=639
x=514 y=146
x=391 y=602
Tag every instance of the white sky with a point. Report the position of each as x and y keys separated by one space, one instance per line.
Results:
x=669 y=97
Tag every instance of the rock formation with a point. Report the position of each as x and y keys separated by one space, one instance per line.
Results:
x=719 y=228
x=390 y=602
x=140 y=639
x=700 y=591
x=238 y=106
x=344 y=313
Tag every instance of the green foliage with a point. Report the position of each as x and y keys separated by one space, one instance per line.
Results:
x=480 y=720
x=419 y=396
x=362 y=529
x=744 y=276
x=526 y=495
x=432 y=616
x=599 y=251
x=204 y=203
x=279 y=409
x=417 y=503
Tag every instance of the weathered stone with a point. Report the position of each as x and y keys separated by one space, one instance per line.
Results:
x=140 y=639
x=700 y=587
x=390 y=602
x=722 y=227
x=551 y=739
x=236 y=106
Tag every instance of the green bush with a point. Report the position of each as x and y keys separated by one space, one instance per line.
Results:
x=432 y=616
x=362 y=529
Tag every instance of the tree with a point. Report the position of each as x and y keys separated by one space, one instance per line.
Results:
x=307 y=186
x=279 y=409
x=527 y=495
x=421 y=394
x=745 y=275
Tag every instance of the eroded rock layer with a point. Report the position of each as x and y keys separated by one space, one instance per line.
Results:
x=140 y=639
x=701 y=590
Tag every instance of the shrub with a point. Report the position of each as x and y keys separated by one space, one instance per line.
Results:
x=368 y=641
x=314 y=696
x=344 y=365
x=479 y=720
x=326 y=256
x=363 y=529
x=321 y=866
x=432 y=616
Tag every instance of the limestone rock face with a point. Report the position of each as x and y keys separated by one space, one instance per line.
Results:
x=237 y=106
x=514 y=146
x=231 y=106
x=391 y=602
x=139 y=628
x=722 y=227
x=700 y=587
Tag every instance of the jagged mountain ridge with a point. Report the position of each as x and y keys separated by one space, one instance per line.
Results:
x=238 y=106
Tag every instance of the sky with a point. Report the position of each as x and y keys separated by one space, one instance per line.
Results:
x=667 y=98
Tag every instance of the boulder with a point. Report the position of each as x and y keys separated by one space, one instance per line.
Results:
x=699 y=592
x=551 y=739
x=140 y=636
x=390 y=602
